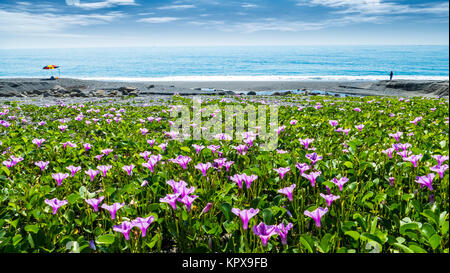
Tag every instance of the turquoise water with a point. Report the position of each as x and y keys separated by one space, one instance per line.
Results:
x=232 y=63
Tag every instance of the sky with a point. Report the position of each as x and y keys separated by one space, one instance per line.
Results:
x=139 y=23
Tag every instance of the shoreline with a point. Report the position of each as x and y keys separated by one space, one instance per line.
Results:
x=70 y=87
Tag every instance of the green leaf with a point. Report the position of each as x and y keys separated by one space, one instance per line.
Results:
x=404 y=248
x=268 y=216
x=32 y=228
x=408 y=226
x=106 y=239
x=226 y=209
x=185 y=149
x=435 y=241
x=307 y=242
x=73 y=198
x=16 y=239
x=354 y=234
x=417 y=249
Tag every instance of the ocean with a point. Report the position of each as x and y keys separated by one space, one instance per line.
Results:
x=231 y=63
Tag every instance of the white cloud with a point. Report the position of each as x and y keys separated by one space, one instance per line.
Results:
x=248 y=5
x=28 y=23
x=378 y=7
x=176 y=7
x=101 y=4
x=158 y=20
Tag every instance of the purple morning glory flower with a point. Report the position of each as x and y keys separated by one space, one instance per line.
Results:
x=313 y=157
x=360 y=127
x=59 y=177
x=282 y=171
x=203 y=167
x=73 y=170
x=329 y=198
x=151 y=142
x=389 y=152
x=213 y=148
x=95 y=202
x=282 y=231
x=303 y=167
x=245 y=215
x=171 y=199
x=145 y=155
x=187 y=200
x=312 y=177
x=128 y=169
x=228 y=165
x=42 y=164
x=440 y=158
x=125 y=228
x=207 y=208
x=55 y=204
x=198 y=148
x=92 y=173
x=288 y=191
x=333 y=123
x=143 y=224
x=305 y=142
x=38 y=141
x=180 y=188
x=316 y=214
x=242 y=149
x=238 y=178
x=182 y=161
x=264 y=232
x=426 y=180
x=113 y=209
x=396 y=136
x=248 y=179
x=413 y=159
x=340 y=183
x=440 y=169
x=104 y=169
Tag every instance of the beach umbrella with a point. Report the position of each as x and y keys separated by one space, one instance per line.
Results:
x=51 y=67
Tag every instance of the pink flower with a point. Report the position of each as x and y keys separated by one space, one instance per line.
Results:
x=73 y=169
x=87 y=146
x=113 y=209
x=128 y=169
x=171 y=199
x=303 y=167
x=413 y=159
x=340 y=183
x=282 y=171
x=198 y=148
x=38 y=141
x=396 y=136
x=360 y=127
x=187 y=200
x=312 y=177
x=313 y=157
x=440 y=169
x=288 y=191
x=182 y=161
x=151 y=142
x=316 y=214
x=389 y=152
x=245 y=215
x=440 y=158
x=106 y=151
x=55 y=204
x=329 y=198
x=264 y=232
x=213 y=148
x=59 y=177
x=203 y=167
x=104 y=169
x=124 y=228
x=242 y=149
x=282 y=231
x=92 y=173
x=144 y=131
x=305 y=142
x=426 y=180
x=145 y=154
x=42 y=164
x=333 y=123
x=62 y=127
x=143 y=224
x=95 y=202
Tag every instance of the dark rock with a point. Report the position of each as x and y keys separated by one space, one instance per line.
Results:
x=151 y=86
x=251 y=93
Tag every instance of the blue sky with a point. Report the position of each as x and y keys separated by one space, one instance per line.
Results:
x=117 y=23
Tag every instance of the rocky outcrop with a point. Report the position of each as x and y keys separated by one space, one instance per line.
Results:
x=437 y=88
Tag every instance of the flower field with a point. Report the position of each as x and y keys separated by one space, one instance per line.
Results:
x=348 y=175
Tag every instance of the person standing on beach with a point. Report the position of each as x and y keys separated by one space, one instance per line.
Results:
x=391 y=75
